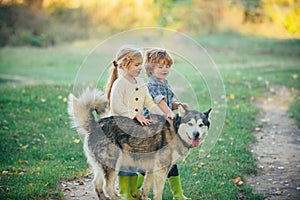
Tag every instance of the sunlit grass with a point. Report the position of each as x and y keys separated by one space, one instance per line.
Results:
x=39 y=149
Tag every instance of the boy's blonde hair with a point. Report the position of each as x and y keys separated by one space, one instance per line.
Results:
x=124 y=57
x=154 y=56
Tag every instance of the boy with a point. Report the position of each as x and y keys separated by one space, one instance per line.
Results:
x=157 y=65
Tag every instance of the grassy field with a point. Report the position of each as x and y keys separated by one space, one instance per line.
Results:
x=39 y=149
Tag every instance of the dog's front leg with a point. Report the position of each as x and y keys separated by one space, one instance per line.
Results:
x=148 y=181
x=159 y=182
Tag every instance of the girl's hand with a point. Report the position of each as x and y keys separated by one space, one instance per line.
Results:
x=143 y=120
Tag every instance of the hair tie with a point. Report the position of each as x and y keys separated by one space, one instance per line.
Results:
x=115 y=63
x=128 y=59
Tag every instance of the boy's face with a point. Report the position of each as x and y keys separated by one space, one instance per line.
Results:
x=161 y=70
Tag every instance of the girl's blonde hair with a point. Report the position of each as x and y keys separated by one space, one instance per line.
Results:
x=124 y=57
x=154 y=56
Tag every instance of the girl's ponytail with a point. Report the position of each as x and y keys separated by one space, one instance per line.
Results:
x=112 y=77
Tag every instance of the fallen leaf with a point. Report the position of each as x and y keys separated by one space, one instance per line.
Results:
x=27 y=110
x=31 y=184
x=295 y=76
x=24 y=147
x=76 y=141
x=227 y=122
x=238 y=181
x=65 y=99
x=4 y=173
x=80 y=183
x=64 y=185
x=195 y=169
x=20 y=161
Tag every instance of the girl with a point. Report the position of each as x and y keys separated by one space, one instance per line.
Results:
x=127 y=95
x=157 y=65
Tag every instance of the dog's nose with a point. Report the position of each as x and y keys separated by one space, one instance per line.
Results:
x=196 y=134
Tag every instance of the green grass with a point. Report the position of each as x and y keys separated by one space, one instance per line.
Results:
x=39 y=149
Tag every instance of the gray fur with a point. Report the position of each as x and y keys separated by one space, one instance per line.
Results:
x=118 y=141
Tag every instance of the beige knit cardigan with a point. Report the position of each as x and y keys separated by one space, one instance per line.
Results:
x=128 y=99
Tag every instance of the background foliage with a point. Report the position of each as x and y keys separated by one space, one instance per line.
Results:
x=48 y=22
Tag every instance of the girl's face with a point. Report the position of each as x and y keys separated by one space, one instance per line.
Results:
x=161 y=70
x=135 y=67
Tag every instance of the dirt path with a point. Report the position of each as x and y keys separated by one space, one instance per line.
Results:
x=277 y=149
x=22 y=80
x=79 y=189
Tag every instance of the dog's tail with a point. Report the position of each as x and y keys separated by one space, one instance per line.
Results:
x=81 y=109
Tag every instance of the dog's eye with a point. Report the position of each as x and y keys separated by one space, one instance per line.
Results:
x=190 y=124
x=200 y=125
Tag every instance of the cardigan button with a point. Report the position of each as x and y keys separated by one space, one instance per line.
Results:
x=136 y=110
x=136 y=99
x=136 y=89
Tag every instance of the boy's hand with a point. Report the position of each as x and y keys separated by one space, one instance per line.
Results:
x=176 y=104
x=170 y=115
x=143 y=120
x=185 y=105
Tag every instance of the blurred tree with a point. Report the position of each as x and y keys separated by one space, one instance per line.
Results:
x=19 y=24
x=36 y=5
x=165 y=7
x=22 y=21
x=252 y=10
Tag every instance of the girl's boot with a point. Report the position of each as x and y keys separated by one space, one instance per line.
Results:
x=124 y=192
x=133 y=189
x=176 y=189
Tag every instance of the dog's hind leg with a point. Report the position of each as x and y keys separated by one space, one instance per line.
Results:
x=109 y=186
x=148 y=181
x=159 y=180
x=98 y=183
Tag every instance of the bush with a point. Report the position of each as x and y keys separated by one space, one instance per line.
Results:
x=20 y=25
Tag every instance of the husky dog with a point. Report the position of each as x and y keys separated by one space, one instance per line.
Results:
x=118 y=143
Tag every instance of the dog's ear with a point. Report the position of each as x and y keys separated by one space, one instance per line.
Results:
x=207 y=113
x=181 y=110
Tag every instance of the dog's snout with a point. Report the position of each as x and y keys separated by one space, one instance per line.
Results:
x=196 y=134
